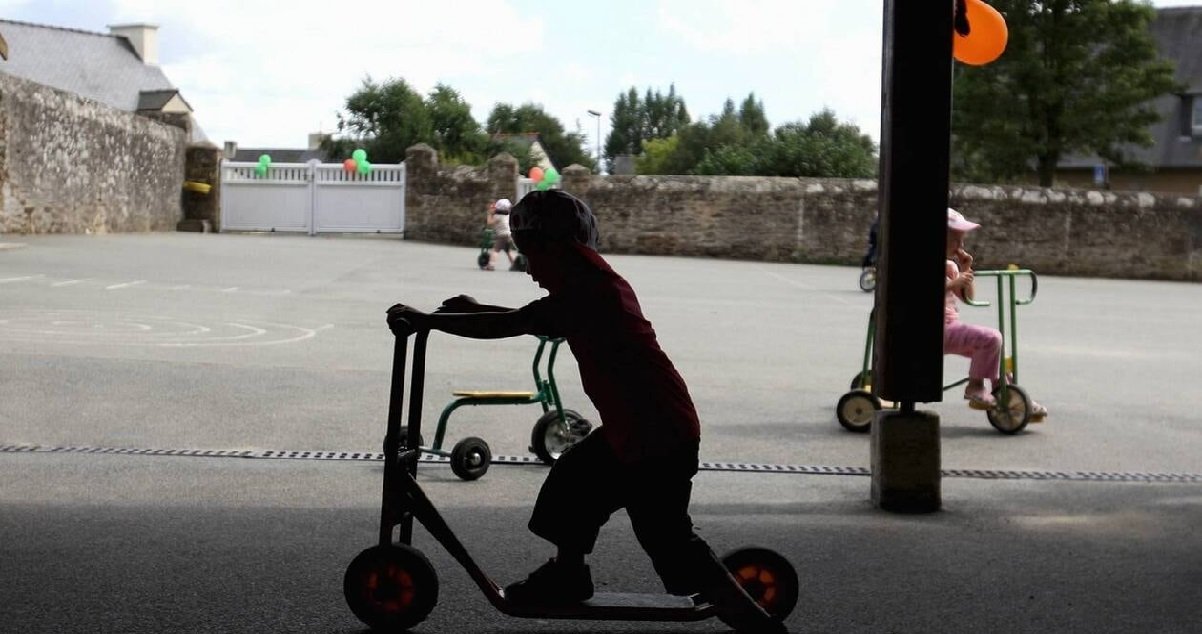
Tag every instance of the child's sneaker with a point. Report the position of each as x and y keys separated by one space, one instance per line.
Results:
x=1039 y=413
x=552 y=584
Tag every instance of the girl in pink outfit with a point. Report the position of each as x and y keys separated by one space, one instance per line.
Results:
x=980 y=344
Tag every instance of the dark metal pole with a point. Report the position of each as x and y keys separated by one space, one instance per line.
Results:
x=915 y=140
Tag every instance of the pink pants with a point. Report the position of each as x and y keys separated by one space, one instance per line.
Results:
x=982 y=345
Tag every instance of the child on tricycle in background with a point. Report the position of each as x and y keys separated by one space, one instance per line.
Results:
x=645 y=453
x=982 y=345
x=498 y=221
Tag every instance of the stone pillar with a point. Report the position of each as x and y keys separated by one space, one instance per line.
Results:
x=906 y=461
x=202 y=210
x=577 y=180
x=503 y=176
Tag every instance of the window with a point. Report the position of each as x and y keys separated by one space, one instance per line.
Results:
x=1196 y=118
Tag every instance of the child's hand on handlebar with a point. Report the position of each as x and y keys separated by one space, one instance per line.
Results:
x=404 y=320
x=459 y=304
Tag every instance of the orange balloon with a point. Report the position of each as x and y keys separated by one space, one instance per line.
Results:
x=986 y=38
x=536 y=174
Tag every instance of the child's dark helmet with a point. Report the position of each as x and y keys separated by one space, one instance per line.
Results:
x=553 y=216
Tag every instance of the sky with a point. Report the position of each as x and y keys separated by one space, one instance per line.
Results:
x=266 y=73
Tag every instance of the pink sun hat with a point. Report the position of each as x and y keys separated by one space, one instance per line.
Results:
x=957 y=222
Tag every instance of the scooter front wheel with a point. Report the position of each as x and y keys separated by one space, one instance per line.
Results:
x=767 y=577
x=482 y=259
x=390 y=588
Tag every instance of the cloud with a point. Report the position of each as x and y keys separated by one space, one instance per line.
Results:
x=239 y=62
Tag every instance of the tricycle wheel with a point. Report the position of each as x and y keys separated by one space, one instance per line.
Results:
x=1013 y=411
x=470 y=458
x=868 y=279
x=482 y=259
x=856 y=409
x=862 y=381
x=767 y=577
x=390 y=588
x=552 y=436
x=519 y=263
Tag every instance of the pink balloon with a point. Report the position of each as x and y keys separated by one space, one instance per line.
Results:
x=349 y=165
x=536 y=174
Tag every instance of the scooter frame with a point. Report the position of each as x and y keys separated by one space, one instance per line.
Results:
x=403 y=500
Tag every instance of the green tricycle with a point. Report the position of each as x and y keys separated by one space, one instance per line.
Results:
x=857 y=408
x=486 y=242
x=553 y=432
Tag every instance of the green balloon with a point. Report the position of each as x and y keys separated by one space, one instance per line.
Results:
x=363 y=167
x=264 y=159
x=261 y=169
x=551 y=176
x=359 y=155
x=543 y=185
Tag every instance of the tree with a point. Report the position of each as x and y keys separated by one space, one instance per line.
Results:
x=384 y=119
x=634 y=122
x=563 y=148
x=752 y=117
x=456 y=134
x=657 y=155
x=625 y=126
x=823 y=147
x=1077 y=77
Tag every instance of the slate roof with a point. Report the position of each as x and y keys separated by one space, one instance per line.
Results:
x=279 y=155
x=1178 y=35
x=156 y=99
x=96 y=66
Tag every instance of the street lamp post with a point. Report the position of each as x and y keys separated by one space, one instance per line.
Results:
x=597 y=115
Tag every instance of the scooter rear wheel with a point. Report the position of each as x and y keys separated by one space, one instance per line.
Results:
x=390 y=588
x=482 y=259
x=767 y=577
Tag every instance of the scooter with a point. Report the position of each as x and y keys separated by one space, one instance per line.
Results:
x=393 y=586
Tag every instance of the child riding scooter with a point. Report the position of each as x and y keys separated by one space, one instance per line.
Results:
x=644 y=454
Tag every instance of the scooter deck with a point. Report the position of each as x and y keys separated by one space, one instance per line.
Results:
x=620 y=606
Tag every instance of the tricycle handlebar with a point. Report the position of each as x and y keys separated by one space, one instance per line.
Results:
x=1010 y=273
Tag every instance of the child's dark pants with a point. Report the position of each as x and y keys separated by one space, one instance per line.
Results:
x=588 y=483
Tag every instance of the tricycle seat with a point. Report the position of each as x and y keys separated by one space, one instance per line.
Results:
x=487 y=394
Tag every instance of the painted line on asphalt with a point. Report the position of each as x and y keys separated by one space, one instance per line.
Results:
x=124 y=285
x=360 y=456
x=19 y=279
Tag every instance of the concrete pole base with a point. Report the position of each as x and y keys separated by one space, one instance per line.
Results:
x=906 y=462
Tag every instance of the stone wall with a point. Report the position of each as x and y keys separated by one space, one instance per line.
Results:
x=1052 y=231
x=450 y=204
x=72 y=165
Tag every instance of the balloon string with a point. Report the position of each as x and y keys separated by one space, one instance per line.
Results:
x=961 y=18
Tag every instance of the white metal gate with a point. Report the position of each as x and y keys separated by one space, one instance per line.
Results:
x=312 y=197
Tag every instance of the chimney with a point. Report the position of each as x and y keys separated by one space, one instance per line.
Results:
x=316 y=139
x=143 y=37
x=231 y=150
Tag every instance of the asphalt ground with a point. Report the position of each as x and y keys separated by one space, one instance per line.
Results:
x=260 y=343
